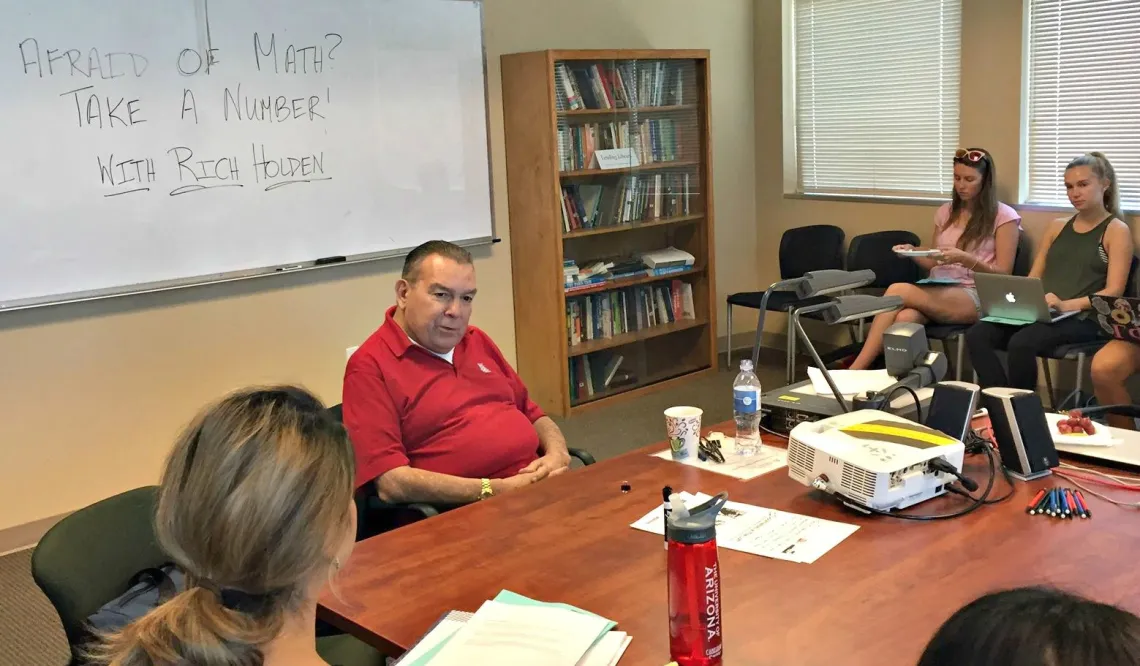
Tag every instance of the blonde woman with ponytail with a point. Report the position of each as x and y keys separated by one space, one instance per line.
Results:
x=1090 y=253
x=256 y=507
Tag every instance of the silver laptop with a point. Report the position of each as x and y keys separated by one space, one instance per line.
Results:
x=1014 y=300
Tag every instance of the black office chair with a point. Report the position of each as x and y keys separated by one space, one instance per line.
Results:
x=874 y=251
x=802 y=250
x=956 y=333
x=375 y=516
x=1080 y=352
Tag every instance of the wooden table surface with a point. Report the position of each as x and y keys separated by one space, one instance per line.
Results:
x=875 y=599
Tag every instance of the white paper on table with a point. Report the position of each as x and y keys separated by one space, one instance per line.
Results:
x=760 y=531
x=850 y=382
x=608 y=650
x=442 y=631
x=766 y=459
x=1101 y=437
x=512 y=635
x=787 y=536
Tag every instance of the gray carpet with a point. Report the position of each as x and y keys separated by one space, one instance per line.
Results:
x=30 y=634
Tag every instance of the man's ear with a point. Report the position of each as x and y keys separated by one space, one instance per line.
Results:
x=402 y=289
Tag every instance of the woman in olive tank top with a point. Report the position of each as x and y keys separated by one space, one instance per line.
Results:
x=1090 y=253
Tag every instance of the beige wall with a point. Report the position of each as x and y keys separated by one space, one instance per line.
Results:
x=990 y=117
x=91 y=395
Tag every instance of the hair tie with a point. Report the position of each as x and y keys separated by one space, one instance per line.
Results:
x=238 y=600
x=243 y=602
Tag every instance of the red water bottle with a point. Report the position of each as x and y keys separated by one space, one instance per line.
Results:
x=694 y=585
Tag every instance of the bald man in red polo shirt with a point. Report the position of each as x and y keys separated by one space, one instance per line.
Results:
x=435 y=413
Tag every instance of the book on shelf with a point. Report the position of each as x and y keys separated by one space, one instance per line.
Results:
x=619 y=85
x=636 y=198
x=594 y=373
x=652 y=140
x=657 y=263
x=606 y=314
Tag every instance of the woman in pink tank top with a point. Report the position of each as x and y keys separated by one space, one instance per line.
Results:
x=973 y=233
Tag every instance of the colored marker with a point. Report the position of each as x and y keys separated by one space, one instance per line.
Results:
x=1033 y=503
x=1084 y=504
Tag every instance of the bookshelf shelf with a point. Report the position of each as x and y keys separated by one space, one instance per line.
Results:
x=621 y=283
x=652 y=166
x=625 y=111
x=591 y=346
x=677 y=372
x=635 y=334
x=633 y=226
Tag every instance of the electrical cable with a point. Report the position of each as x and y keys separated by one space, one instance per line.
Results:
x=1070 y=479
x=1130 y=481
x=773 y=432
x=913 y=394
x=976 y=502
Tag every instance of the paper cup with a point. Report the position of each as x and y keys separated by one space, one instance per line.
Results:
x=683 y=427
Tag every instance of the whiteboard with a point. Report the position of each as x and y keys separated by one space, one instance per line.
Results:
x=152 y=144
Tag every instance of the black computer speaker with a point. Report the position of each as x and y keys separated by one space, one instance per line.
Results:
x=1021 y=432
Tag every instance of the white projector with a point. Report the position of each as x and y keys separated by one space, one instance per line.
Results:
x=872 y=458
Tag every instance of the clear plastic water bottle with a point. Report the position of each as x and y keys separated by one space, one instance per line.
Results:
x=746 y=410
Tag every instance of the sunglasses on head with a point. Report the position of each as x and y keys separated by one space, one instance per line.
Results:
x=969 y=156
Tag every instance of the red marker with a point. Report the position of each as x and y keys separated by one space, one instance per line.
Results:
x=1084 y=504
x=1033 y=503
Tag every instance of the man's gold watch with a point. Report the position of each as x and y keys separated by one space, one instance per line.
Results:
x=486 y=490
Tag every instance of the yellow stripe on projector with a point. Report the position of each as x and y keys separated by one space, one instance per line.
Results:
x=931 y=437
x=789 y=398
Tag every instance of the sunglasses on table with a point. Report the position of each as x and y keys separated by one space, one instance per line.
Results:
x=709 y=449
x=969 y=156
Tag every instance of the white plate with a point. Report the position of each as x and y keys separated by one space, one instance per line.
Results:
x=1101 y=436
x=918 y=253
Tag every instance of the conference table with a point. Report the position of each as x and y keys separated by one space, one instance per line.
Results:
x=875 y=599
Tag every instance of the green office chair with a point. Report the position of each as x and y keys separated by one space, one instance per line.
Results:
x=89 y=558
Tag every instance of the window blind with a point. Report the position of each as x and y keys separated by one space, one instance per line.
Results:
x=876 y=85
x=1084 y=93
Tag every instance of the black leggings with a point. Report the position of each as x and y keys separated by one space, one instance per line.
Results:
x=1023 y=345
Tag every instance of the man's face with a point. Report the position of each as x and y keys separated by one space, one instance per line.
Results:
x=437 y=305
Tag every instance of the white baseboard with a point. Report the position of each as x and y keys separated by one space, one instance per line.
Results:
x=22 y=537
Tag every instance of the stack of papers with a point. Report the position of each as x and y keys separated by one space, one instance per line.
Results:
x=514 y=630
x=767 y=458
x=759 y=531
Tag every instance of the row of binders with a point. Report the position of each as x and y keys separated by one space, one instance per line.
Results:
x=640 y=198
x=513 y=629
x=620 y=85
x=654 y=140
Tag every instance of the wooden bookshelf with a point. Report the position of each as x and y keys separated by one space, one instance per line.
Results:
x=626 y=111
x=618 y=228
x=637 y=332
x=652 y=166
